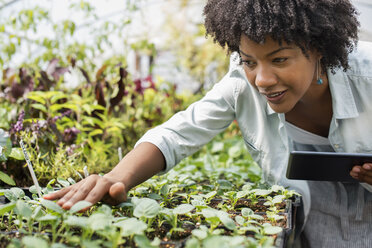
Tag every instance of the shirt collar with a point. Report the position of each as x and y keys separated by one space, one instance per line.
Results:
x=343 y=102
x=269 y=110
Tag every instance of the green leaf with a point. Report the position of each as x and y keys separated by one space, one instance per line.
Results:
x=52 y=206
x=209 y=213
x=192 y=243
x=37 y=213
x=246 y=212
x=240 y=220
x=57 y=245
x=56 y=107
x=210 y=194
x=63 y=182
x=183 y=209
x=48 y=217
x=34 y=242
x=99 y=221
x=216 y=242
x=261 y=192
x=131 y=227
x=164 y=189
x=226 y=220
x=71 y=180
x=7 y=208
x=200 y=234
x=17 y=192
x=39 y=107
x=5 y=145
x=143 y=242
x=6 y=179
x=57 y=97
x=23 y=209
x=241 y=194
x=217 y=147
x=154 y=196
x=95 y=132
x=271 y=230
x=278 y=199
x=79 y=206
x=17 y=154
x=277 y=188
x=37 y=96
x=80 y=221
x=235 y=151
x=147 y=208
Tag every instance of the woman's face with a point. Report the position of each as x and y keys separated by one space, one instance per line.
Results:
x=281 y=73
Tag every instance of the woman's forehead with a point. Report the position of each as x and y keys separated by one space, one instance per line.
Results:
x=268 y=43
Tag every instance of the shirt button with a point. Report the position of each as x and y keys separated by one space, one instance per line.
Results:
x=337 y=146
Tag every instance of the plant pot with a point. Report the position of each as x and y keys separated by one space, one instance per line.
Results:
x=294 y=212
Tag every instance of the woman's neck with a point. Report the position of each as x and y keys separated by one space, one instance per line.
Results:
x=313 y=112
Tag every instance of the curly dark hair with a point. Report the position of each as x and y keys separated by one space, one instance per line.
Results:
x=329 y=26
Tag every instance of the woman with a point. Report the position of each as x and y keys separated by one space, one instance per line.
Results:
x=293 y=84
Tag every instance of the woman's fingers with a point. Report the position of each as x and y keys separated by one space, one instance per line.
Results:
x=117 y=194
x=91 y=189
x=60 y=193
x=101 y=188
x=362 y=173
x=79 y=192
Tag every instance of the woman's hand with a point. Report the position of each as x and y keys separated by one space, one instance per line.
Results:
x=92 y=189
x=362 y=173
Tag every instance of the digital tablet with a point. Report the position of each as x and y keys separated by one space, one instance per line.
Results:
x=324 y=166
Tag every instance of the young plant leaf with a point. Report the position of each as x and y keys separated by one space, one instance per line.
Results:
x=63 y=182
x=247 y=212
x=99 y=221
x=80 y=206
x=200 y=234
x=226 y=220
x=34 y=242
x=143 y=242
x=23 y=209
x=52 y=206
x=183 y=209
x=271 y=230
x=17 y=154
x=5 y=145
x=132 y=226
x=6 y=179
x=7 y=208
x=17 y=192
x=147 y=208
x=80 y=221
x=48 y=217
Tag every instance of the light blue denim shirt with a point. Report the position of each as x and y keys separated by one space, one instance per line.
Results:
x=263 y=130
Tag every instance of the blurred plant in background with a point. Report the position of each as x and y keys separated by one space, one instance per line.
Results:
x=69 y=125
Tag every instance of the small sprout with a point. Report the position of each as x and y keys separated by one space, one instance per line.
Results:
x=132 y=226
x=146 y=207
x=80 y=206
x=271 y=230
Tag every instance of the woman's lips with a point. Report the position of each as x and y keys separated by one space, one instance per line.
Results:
x=275 y=97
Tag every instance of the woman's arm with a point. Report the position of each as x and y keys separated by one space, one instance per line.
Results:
x=137 y=166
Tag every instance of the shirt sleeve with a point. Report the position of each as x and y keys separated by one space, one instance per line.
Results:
x=187 y=131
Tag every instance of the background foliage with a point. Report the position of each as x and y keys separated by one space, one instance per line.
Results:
x=102 y=116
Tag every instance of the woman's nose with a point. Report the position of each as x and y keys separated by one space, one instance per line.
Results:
x=265 y=78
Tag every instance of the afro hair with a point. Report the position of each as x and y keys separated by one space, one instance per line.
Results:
x=328 y=26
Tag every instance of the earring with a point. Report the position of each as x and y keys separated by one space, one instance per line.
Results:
x=320 y=80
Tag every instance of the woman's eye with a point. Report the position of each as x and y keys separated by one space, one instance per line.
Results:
x=279 y=60
x=248 y=63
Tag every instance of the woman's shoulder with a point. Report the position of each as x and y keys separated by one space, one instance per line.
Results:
x=360 y=60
